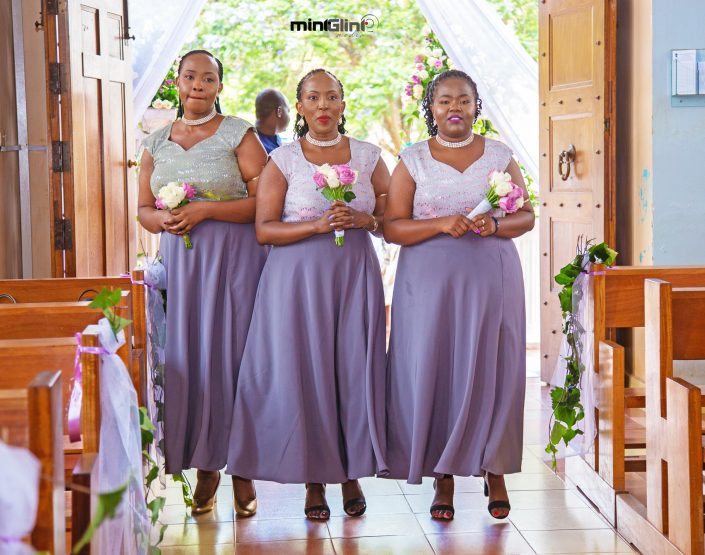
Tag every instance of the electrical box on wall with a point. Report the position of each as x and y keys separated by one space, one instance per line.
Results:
x=688 y=77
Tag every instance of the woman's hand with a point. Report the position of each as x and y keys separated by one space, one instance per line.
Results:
x=455 y=226
x=184 y=219
x=336 y=218
x=483 y=224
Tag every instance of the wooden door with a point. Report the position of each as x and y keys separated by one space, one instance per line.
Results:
x=104 y=188
x=577 y=59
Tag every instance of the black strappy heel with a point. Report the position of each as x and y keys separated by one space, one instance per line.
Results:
x=351 y=503
x=323 y=508
x=493 y=505
x=441 y=507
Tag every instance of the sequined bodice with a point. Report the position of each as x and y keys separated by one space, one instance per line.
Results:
x=210 y=165
x=441 y=190
x=303 y=201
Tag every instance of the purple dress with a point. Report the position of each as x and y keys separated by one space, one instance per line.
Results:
x=456 y=363
x=210 y=293
x=310 y=396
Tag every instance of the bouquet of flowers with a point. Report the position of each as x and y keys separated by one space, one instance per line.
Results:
x=175 y=195
x=335 y=183
x=502 y=194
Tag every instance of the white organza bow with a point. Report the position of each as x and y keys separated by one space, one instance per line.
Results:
x=19 y=497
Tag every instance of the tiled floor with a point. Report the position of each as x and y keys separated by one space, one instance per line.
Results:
x=546 y=517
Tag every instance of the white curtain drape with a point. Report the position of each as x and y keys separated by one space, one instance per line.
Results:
x=480 y=44
x=160 y=28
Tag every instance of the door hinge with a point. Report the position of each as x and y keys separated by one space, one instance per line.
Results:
x=63 y=236
x=60 y=159
x=56 y=78
x=56 y=7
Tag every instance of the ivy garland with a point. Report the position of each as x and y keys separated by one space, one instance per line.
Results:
x=565 y=401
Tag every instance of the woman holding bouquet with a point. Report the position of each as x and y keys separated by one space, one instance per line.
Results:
x=457 y=345
x=210 y=287
x=311 y=389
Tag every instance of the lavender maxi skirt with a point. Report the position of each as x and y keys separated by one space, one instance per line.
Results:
x=210 y=293
x=310 y=399
x=457 y=363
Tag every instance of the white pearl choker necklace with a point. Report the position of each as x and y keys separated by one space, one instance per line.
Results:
x=454 y=144
x=316 y=142
x=200 y=121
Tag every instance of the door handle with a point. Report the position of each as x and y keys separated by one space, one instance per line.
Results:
x=132 y=163
x=565 y=159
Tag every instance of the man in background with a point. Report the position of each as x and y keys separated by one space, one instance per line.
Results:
x=272 y=111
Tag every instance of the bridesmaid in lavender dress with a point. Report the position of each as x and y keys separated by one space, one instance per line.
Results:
x=457 y=347
x=310 y=396
x=211 y=287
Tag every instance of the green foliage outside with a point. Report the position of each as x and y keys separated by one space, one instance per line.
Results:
x=258 y=50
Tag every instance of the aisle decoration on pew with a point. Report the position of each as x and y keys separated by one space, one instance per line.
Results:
x=155 y=280
x=19 y=498
x=576 y=351
x=123 y=517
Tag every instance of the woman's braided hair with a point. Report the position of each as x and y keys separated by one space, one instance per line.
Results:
x=300 y=124
x=180 y=111
x=431 y=89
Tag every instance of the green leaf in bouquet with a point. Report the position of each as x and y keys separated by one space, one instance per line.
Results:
x=349 y=196
x=328 y=194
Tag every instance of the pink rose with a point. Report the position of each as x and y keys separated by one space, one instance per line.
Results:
x=345 y=173
x=189 y=190
x=416 y=79
x=438 y=64
x=419 y=67
x=159 y=203
x=516 y=192
x=320 y=180
x=407 y=90
x=418 y=59
x=508 y=204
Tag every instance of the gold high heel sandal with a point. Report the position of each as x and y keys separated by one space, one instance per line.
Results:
x=202 y=504
x=244 y=510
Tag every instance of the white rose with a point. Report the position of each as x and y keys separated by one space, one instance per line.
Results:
x=331 y=176
x=417 y=91
x=437 y=52
x=502 y=183
x=520 y=202
x=432 y=61
x=172 y=194
x=423 y=74
x=156 y=104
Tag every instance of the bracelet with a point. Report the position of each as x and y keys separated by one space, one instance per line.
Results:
x=496 y=224
x=375 y=225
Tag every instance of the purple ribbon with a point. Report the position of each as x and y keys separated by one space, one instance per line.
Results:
x=76 y=397
x=134 y=281
x=10 y=539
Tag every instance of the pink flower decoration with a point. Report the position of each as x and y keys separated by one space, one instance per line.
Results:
x=345 y=174
x=416 y=79
x=169 y=81
x=419 y=67
x=516 y=193
x=438 y=64
x=189 y=190
x=159 y=203
x=418 y=59
x=320 y=180
x=508 y=204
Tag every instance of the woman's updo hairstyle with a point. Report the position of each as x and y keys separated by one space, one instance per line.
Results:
x=180 y=111
x=300 y=124
x=431 y=90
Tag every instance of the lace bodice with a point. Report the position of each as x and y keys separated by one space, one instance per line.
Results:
x=303 y=202
x=441 y=190
x=210 y=165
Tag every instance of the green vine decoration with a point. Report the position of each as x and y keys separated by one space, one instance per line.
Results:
x=565 y=401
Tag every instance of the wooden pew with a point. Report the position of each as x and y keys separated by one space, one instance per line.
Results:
x=618 y=303
x=80 y=289
x=672 y=520
x=31 y=417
